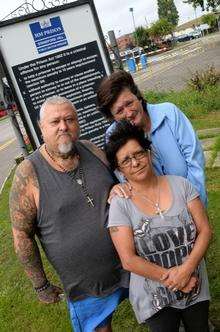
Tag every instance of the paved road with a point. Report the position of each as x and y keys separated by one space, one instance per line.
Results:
x=6 y=131
x=8 y=149
x=172 y=69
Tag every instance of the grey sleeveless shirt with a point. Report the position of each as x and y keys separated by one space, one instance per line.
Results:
x=72 y=233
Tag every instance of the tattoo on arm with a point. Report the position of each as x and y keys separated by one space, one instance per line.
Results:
x=21 y=201
x=29 y=255
x=113 y=229
x=23 y=213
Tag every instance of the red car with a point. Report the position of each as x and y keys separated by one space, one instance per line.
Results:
x=2 y=109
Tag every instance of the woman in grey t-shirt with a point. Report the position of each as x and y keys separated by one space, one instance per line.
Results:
x=161 y=234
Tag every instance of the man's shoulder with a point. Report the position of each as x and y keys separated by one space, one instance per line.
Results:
x=25 y=166
x=94 y=150
x=87 y=143
x=25 y=175
x=35 y=154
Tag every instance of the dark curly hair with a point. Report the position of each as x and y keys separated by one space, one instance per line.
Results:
x=124 y=131
x=110 y=89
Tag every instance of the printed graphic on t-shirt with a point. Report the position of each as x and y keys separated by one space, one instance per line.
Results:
x=166 y=243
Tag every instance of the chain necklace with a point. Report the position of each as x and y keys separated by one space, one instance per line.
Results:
x=155 y=205
x=80 y=180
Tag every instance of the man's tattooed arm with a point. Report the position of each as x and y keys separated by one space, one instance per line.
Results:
x=23 y=213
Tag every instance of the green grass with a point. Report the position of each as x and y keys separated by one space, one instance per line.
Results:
x=213 y=257
x=210 y=120
x=196 y=105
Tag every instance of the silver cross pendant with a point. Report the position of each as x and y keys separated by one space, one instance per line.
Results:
x=90 y=201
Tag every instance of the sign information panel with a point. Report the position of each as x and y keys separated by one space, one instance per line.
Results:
x=48 y=34
x=75 y=74
x=64 y=55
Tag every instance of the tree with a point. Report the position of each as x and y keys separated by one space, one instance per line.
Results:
x=167 y=10
x=210 y=19
x=161 y=28
x=213 y=4
x=196 y=3
x=141 y=36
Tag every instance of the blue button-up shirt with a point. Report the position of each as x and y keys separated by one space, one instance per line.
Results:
x=175 y=145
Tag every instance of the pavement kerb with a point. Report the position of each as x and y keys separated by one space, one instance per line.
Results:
x=7 y=177
x=208 y=133
x=212 y=156
x=4 y=118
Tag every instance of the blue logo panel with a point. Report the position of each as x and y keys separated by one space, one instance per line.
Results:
x=48 y=34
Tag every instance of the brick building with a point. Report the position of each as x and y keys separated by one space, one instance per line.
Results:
x=125 y=42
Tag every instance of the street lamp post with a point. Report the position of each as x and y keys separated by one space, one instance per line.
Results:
x=131 y=9
x=132 y=14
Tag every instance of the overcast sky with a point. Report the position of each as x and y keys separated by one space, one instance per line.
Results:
x=115 y=14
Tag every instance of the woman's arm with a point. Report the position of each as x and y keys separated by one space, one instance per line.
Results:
x=192 y=151
x=177 y=277
x=122 y=237
x=204 y=234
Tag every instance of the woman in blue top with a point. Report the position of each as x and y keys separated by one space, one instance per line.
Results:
x=176 y=148
x=161 y=234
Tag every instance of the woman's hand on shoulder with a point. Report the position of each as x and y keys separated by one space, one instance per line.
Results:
x=122 y=190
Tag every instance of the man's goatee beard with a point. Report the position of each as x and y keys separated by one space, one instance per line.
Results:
x=66 y=148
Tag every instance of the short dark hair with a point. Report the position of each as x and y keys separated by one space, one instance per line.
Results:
x=123 y=132
x=110 y=89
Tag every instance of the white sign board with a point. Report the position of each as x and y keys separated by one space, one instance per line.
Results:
x=59 y=52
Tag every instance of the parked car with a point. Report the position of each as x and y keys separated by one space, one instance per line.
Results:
x=183 y=38
x=3 y=113
x=196 y=34
x=189 y=36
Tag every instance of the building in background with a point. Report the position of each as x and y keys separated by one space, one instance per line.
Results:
x=125 y=42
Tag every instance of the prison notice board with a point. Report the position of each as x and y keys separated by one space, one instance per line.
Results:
x=61 y=51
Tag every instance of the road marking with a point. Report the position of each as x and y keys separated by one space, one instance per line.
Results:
x=181 y=52
x=2 y=147
x=163 y=67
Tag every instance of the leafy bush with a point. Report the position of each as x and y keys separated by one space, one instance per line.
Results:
x=193 y=103
x=210 y=19
x=201 y=79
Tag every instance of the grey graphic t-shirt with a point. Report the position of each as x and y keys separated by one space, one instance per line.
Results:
x=164 y=241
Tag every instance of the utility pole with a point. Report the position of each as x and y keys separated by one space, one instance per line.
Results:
x=115 y=50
